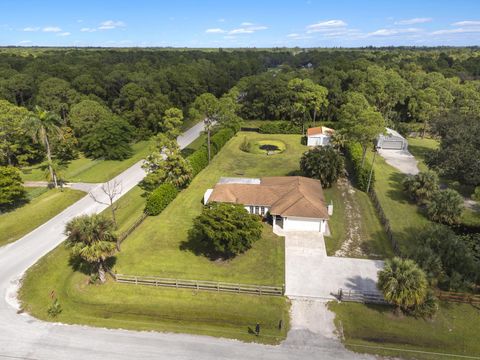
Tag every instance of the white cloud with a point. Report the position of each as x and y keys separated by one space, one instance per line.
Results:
x=293 y=35
x=325 y=26
x=221 y=20
x=51 y=29
x=24 y=42
x=392 y=32
x=66 y=33
x=413 y=21
x=466 y=23
x=456 y=31
x=246 y=24
x=31 y=29
x=111 y=24
x=215 y=31
x=247 y=29
x=87 y=29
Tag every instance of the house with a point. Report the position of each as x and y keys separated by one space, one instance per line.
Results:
x=296 y=203
x=319 y=136
x=392 y=140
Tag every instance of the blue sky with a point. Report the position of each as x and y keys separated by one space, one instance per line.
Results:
x=228 y=23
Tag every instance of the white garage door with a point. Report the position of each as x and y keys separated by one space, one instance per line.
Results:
x=391 y=144
x=299 y=224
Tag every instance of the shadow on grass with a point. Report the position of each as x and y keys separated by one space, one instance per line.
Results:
x=397 y=194
x=198 y=247
x=80 y=265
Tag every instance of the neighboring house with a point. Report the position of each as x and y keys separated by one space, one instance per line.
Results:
x=294 y=202
x=319 y=136
x=392 y=140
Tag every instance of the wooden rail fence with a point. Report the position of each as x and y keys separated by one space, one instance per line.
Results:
x=364 y=297
x=384 y=220
x=201 y=285
x=464 y=298
x=132 y=227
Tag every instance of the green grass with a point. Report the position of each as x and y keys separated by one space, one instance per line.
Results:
x=374 y=241
x=195 y=145
x=43 y=206
x=471 y=217
x=116 y=305
x=454 y=330
x=155 y=247
x=255 y=146
x=420 y=148
x=405 y=217
x=91 y=171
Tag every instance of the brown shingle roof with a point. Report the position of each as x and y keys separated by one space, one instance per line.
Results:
x=320 y=130
x=285 y=195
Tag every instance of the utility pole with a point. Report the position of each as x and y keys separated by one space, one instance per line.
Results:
x=371 y=170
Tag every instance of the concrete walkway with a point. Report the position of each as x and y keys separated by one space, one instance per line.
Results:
x=402 y=160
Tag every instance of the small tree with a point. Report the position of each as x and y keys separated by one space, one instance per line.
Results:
x=403 y=283
x=12 y=191
x=445 y=207
x=171 y=122
x=225 y=230
x=322 y=163
x=92 y=238
x=421 y=187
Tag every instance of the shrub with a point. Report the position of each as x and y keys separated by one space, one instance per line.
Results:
x=12 y=191
x=421 y=187
x=158 y=200
x=445 y=207
x=245 y=145
x=476 y=194
x=219 y=139
x=322 y=163
x=279 y=127
x=427 y=309
x=54 y=309
x=361 y=174
x=225 y=230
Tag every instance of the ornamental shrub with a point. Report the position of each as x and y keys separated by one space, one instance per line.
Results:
x=158 y=200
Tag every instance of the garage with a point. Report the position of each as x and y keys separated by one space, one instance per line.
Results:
x=303 y=224
x=391 y=140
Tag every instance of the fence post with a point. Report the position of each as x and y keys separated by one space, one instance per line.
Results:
x=136 y=281
x=218 y=286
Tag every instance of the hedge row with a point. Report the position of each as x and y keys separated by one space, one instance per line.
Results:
x=199 y=159
x=279 y=127
x=354 y=153
x=159 y=199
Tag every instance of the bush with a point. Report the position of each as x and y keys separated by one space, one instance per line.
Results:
x=445 y=207
x=427 y=309
x=421 y=187
x=225 y=230
x=245 y=146
x=476 y=194
x=160 y=198
x=12 y=191
x=54 y=309
x=354 y=154
x=279 y=127
x=219 y=139
x=322 y=163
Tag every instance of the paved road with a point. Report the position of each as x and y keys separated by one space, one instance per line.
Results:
x=24 y=337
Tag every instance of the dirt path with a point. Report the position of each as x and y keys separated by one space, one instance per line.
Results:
x=352 y=245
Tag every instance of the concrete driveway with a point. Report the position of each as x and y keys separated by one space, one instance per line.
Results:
x=309 y=272
x=401 y=160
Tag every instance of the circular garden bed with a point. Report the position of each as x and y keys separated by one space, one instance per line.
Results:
x=267 y=147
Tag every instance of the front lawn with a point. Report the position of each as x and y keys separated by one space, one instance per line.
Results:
x=420 y=148
x=157 y=247
x=132 y=307
x=454 y=330
x=91 y=171
x=44 y=205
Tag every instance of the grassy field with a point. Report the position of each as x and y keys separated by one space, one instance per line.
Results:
x=420 y=147
x=91 y=171
x=155 y=248
x=116 y=305
x=44 y=205
x=454 y=330
x=374 y=242
x=406 y=218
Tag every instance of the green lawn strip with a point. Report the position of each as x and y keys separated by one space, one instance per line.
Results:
x=133 y=307
x=33 y=192
x=129 y=208
x=419 y=148
x=154 y=248
x=195 y=145
x=374 y=239
x=88 y=170
x=454 y=330
x=19 y=222
x=405 y=217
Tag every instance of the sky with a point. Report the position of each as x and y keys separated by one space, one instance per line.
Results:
x=246 y=23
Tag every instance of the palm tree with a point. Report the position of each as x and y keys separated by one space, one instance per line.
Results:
x=445 y=206
x=55 y=168
x=422 y=186
x=92 y=238
x=42 y=125
x=402 y=283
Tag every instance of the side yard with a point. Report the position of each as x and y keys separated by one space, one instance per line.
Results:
x=366 y=328
x=44 y=204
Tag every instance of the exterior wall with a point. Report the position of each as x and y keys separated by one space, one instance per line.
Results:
x=318 y=140
x=304 y=224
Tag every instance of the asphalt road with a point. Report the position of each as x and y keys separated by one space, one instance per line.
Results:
x=24 y=337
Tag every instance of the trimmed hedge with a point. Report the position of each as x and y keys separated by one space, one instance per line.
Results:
x=159 y=198
x=199 y=159
x=354 y=153
x=279 y=127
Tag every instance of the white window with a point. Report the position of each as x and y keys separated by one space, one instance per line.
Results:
x=262 y=210
x=257 y=209
x=251 y=209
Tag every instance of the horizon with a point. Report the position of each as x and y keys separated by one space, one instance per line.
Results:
x=214 y=24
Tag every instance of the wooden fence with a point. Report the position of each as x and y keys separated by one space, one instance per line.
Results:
x=457 y=297
x=132 y=227
x=201 y=285
x=384 y=220
x=364 y=297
